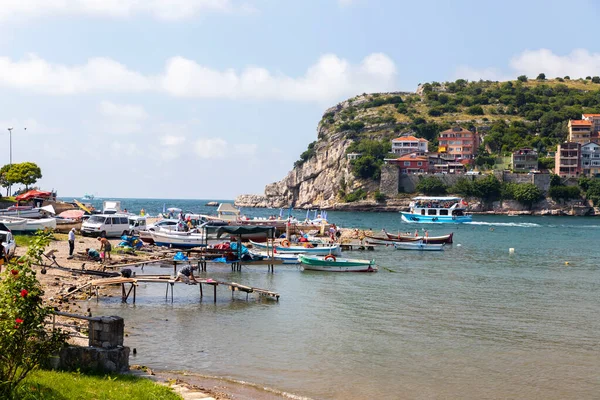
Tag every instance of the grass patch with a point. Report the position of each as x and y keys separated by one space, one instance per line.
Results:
x=53 y=385
x=24 y=240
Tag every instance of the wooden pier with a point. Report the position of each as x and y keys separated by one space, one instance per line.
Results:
x=129 y=286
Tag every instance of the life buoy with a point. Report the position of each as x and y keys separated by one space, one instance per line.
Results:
x=330 y=257
x=285 y=243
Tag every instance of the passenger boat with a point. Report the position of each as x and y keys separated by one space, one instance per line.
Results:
x=432 y=210
x=419 y=246
x=286 y=248
x=330 y=263
x=180 y=240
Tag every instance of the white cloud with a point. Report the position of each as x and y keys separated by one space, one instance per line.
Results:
x=330 y=78
x=122 y=118
x=578 y=64
x=160 y=9
x=218 y=148
x=97 y=75
x=171 y=140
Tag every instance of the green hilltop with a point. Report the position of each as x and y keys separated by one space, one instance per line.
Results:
x=509 y=115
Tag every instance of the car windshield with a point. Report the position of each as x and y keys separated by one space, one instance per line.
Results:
x=3 y=237
x=94 y=219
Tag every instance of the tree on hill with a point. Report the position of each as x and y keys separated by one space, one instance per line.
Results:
x=431 y=186
x=541 y=77
x=527 y=194
x=488 y=189
x=522 y=78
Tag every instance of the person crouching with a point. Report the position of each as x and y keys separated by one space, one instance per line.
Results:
x=186 y=274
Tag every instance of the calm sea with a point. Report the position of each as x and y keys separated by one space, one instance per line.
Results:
x=473 y=322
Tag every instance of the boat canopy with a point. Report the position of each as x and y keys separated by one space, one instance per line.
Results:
x=32 y=194
x=437 y=198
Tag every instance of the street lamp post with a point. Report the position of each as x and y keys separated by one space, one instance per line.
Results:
x=10 y=145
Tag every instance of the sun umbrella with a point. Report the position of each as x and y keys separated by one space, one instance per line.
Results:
x=174 y=209
x=72 y=214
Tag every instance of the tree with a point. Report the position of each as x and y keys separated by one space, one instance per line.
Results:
x=464 y=187
x=555 y=180
x=596 y=79
x=541 y=77
x=26 y=173
x=4 y=182
x=431 y=186
x=567 y=78
x=366 y=167
x=25 y=343
x=522 y=78
x=475 y=110
x=527 y=194
x=487 y=189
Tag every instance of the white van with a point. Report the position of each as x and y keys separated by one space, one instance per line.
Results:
x=108 y=225
x=136 y=224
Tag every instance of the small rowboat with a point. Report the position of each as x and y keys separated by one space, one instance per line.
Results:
x=286 y=248
x=185 y=241
x=419 y=246
x=428 y=239
x=330 y=263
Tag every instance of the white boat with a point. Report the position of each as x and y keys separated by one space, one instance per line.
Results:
x=33 y=225
x=179 y=240
x=14 y=224
x=21 y=212
x=286 y=248
x=419 y=246
x=331 y=263
x=437 y=210
x=285 y=258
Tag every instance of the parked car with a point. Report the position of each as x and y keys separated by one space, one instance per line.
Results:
x=7 y=241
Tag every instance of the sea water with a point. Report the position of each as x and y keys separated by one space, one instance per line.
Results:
x=472 y=322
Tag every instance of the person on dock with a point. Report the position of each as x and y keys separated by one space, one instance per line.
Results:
x=186 y=274
x=71 y=243
x=106 y=247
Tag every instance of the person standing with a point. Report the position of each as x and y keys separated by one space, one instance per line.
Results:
x=106 y=247
x=71 y=243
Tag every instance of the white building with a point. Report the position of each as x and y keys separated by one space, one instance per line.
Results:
x=409 y=144
x=590 y=159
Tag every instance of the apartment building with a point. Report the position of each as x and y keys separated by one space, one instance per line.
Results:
x=566 y=161
x=459 y=142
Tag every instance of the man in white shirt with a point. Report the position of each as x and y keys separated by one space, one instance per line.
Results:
x=71 y=243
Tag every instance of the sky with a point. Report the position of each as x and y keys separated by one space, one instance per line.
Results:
x=197 y=99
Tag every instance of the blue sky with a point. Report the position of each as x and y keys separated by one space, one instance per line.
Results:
x=214 y=98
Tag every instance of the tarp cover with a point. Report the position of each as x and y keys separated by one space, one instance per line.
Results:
x=72 y=214
x=246 y=230
x=32 y=194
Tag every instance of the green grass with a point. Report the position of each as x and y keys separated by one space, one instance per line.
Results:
x=52 y=385
x=24 y=240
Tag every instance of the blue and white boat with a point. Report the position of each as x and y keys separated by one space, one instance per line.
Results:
x=437 y=210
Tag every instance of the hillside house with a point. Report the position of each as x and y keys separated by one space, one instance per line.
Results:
x=524 y=160
x=409 y=144
x=459 y=142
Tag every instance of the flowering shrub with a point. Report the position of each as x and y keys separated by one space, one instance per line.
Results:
x=25 y=343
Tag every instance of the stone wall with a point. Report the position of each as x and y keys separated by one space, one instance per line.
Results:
x=393 y=182
x=105 y=352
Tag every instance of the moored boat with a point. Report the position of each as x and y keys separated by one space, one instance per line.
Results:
x=32 y=225
x=437 y=210
x=14 y=224
x=428 y=239
x=179 y=240
x=286 y=247
x=419 y=246
x=331 y=263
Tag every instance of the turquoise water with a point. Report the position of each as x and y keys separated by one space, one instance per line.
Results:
x=472 y=322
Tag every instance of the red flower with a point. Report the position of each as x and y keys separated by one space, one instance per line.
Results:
x=14 y=272
x=24 y=293
x=19 y=321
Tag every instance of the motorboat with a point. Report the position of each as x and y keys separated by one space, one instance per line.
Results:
x=178 y=240
x=432 y=210
x=331 y=263
x=419 y=246
x=404 y=237
x=14 y=224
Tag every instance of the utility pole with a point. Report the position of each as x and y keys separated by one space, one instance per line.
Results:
x=10 y=145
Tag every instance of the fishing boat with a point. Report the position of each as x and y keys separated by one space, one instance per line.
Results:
x=404 y=237
x=419 y=246
x=180 y=240
x=14 y=224
x=432 y=210
x=286 y=248
x=33 y=225
x=285 y=258
x=21 y=212
x=331 y=263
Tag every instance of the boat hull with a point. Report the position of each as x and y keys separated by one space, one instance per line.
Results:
x=316 y=251
x=418 y=246
x=430 y=219
x=315 y=263
x=178 y=241
x=431 y=239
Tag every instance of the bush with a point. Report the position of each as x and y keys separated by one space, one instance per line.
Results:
x=527 y=193
x=488 y=189
x=541 y=77
x=356 y=195
x=522 y=78
x=464 y=187
x=25 y=343
x=379 y=197
x=559 y=193
x=431 y=186
x=596 y=79
x=475 y=110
